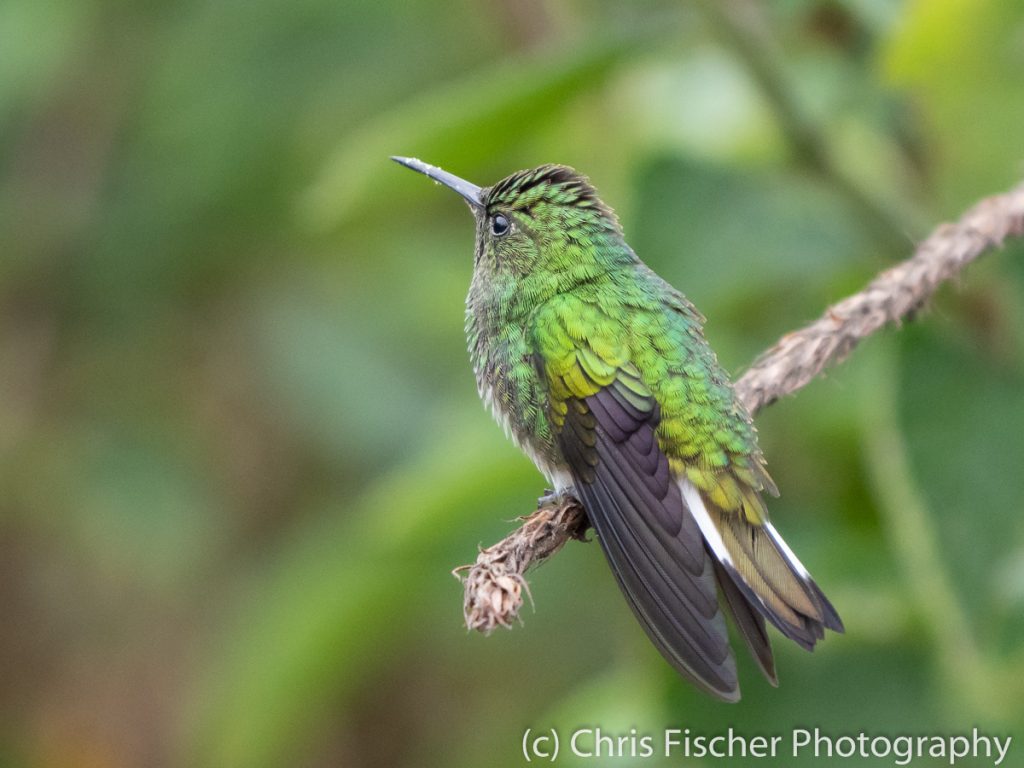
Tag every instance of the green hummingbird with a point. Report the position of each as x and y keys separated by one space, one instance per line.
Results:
x=598 y=370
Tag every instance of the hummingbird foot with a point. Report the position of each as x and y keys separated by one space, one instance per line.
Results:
x=552 y=498
x=562 y=509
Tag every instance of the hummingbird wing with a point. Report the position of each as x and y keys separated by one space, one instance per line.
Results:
x=750 y=623
x=712 y=448
x=606 y=421
x=668 y=468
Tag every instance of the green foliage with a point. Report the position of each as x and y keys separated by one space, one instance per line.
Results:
x=240 y=444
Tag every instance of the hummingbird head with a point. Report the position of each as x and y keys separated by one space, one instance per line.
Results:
x=547 y=219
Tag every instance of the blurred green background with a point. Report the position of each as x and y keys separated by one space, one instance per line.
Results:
x=240 y=443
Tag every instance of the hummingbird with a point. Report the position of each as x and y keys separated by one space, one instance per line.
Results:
x=598 y=370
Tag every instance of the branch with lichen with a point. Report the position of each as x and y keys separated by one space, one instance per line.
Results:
x=494 y=585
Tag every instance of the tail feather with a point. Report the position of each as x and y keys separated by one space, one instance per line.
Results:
x=830 y=617
x=766 y=574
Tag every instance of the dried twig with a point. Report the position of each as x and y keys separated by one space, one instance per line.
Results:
x=494 y=584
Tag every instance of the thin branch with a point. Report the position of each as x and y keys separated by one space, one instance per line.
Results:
x=895 y=294
x=495 y=583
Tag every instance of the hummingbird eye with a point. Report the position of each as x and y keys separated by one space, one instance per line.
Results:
x=500 y=225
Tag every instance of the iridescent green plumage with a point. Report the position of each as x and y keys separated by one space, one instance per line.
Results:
x=599 y=370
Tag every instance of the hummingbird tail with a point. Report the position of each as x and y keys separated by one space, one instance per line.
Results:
x=767 y=575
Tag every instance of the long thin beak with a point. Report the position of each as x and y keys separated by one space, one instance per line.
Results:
x=469 y=191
